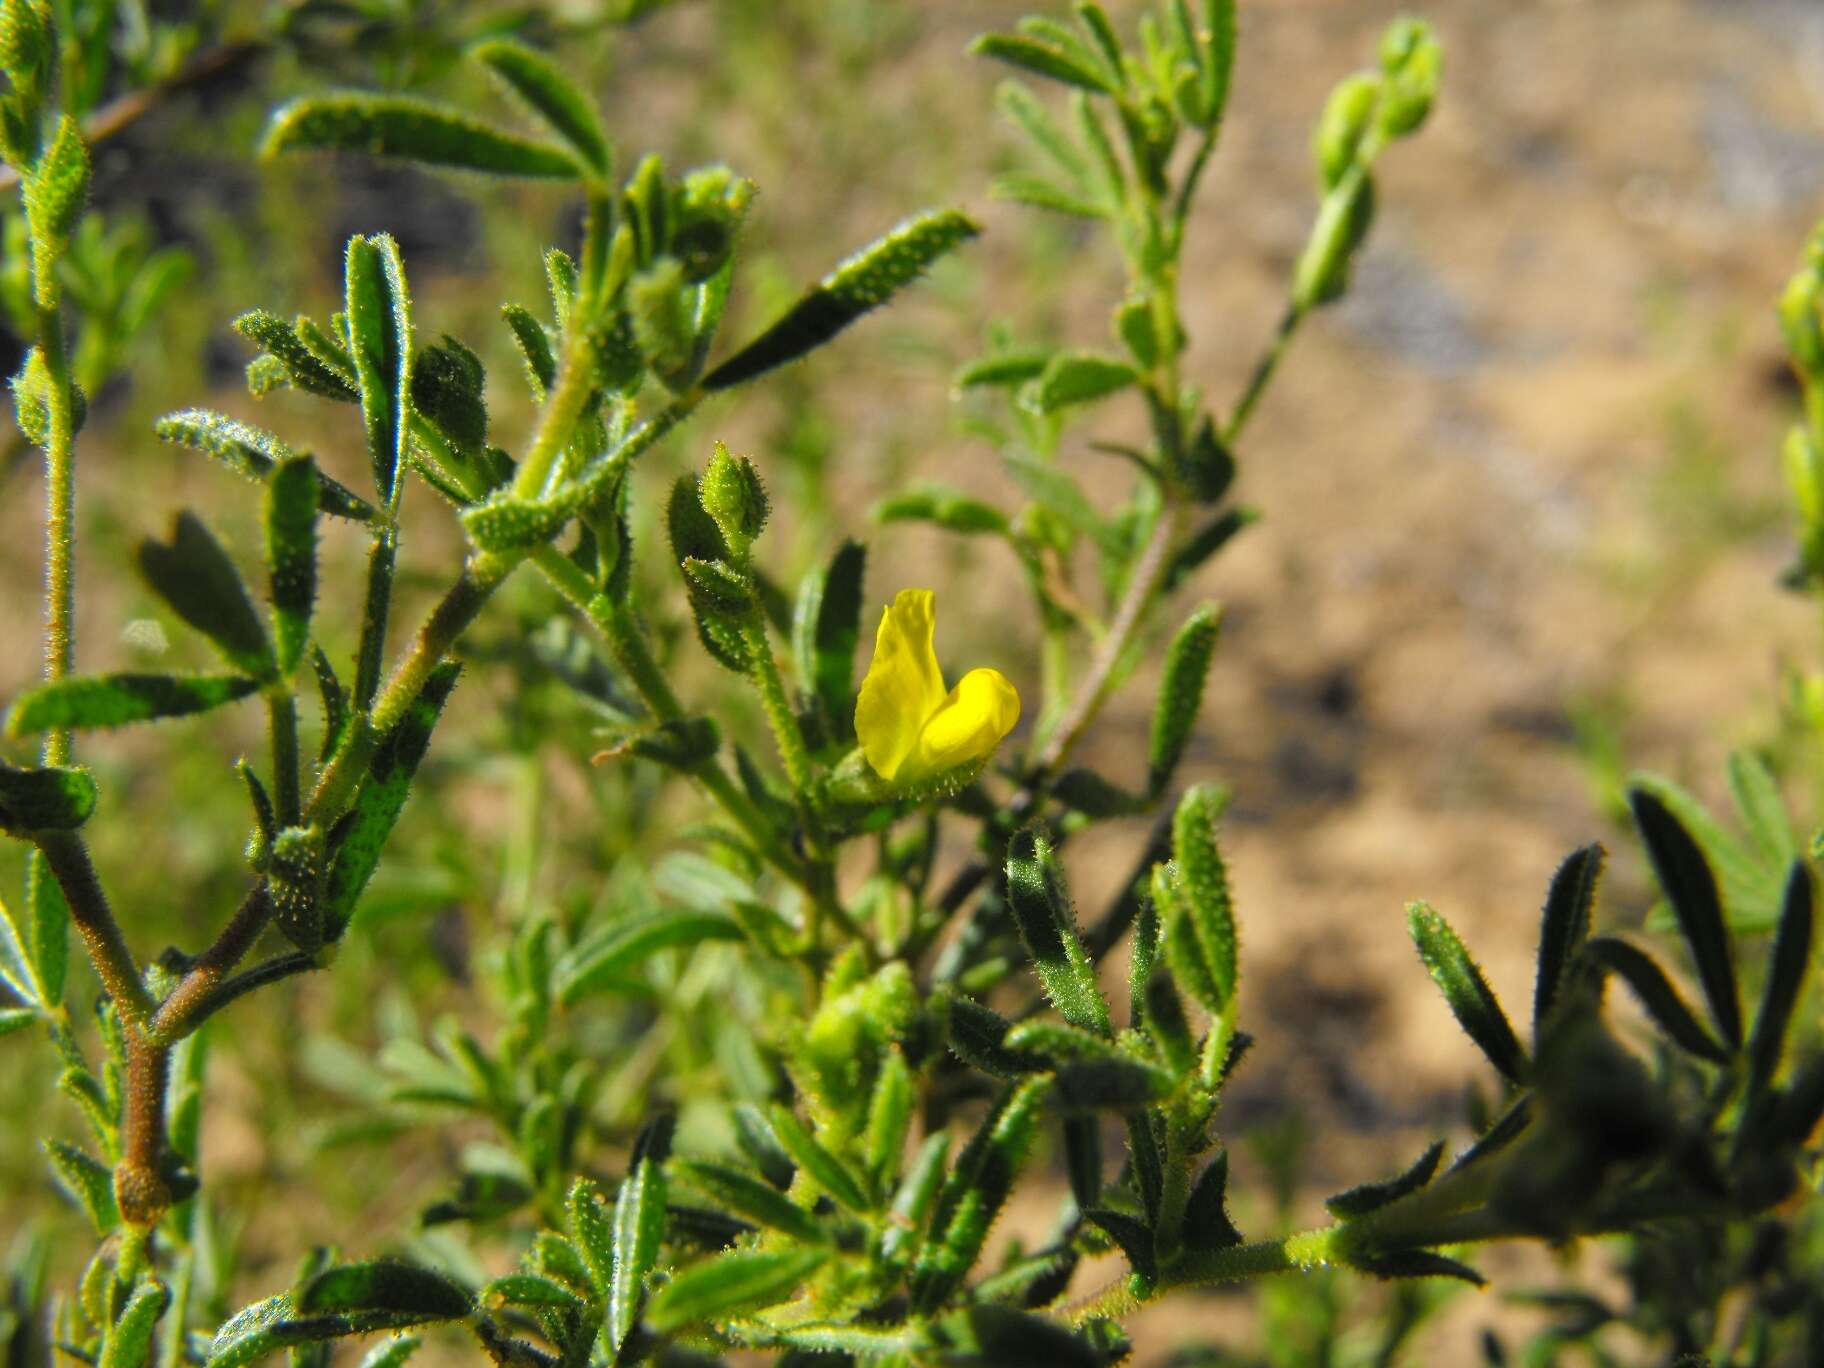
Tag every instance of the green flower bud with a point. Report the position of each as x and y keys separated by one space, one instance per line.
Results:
x=1413 y=61
x=1342 y=223
x=733 y=495
x=1800 y=322
x=1346 y=121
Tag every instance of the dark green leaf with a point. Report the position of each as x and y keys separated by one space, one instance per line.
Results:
x=1004 y=368
x=978 y=1035
x=748 y=1196
x=392 y=1353
x=1117 y=1084
x=529 y=1289
x=948 y=508
x=380 y=343
x=1083 y=1158
x=1206 y=1215
x=291 y=555
x=1087 y=792
x=1203 y=885
x=1048 y=924
x=754 y=1134
x=1205 y=542
x=1657 y=995
x=1209 y=466
x=1359 y=1201
x=193 y=574
x=449 y=391
x=821 y=1166
x=48 y=799
x=730 y=1284
x=384 y=1285
x=412 y=130
x=1690 y=887
x=89 y=701
x=1132 y=1234
x=826 y=628
x=1564 y=927
x=858 y=285
x=551 y=96
x=303 y=368
x=1786 y=968
x=535 y=345
x=1470 y=998
x=1417 y=1263
x=381 y=799
x=1750 y=885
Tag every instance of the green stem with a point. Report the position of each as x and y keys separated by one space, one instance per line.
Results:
x=1263 y=374
x=371 y=653
x=788 y=735
x=60 y=514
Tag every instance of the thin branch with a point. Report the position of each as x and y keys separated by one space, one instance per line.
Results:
x=69 y=861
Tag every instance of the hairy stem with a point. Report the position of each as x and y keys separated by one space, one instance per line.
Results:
x=179 y=1013
x=70 y=865
x=59 y=517
x=282 y=725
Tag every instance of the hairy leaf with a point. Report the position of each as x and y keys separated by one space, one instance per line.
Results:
x=411 y=130
x=82 y=702
x=1048 y=924
x=1690 y=887
x=1471 y=1000
x=551 y=96
x=195 y=577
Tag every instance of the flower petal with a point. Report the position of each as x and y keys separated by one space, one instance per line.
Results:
x=904 y=685
x=970 y=723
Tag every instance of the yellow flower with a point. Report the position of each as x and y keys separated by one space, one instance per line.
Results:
x=910 y=729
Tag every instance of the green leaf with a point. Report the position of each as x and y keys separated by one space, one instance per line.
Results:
x=1207 y=1225
x=1757 y=798
x=292 y=500
x=412 y=130
x=529 y=1289
x=1042 y=194
x=1209 y=466
x=639 y=1227
x=1205 y=542
x=535 y=346
x=749 y=1197
x=251 y=452
x=384 y=1285
x=274 y=1324
x=1786 y=968
x=1118 y=1083
x=1657 y=995
x=128 y=1343
x=83 y=702
x=1471 y=1000
x=1690 y=887
x=1006 y=368
x=823 y=1167
x=1133 y=1235
x=449 y=391
x=89 y=1181
x=1218 y=57
x=552 y=97
x=48 y=799
x=950 y=509
x=304 y=369
x=1203 y=886
x=15 y=1019
x=1079 y=378
x=1564 y=927
x=592 y=1229
x=728 y=1285
x=506 y=522
x=1417 y=1263
x=974 y=1193
x=1359 y=1201
x=978 y=1036
x=857 y=286
x=55 y=187
x=1184 y=949
x=392 y=1353
x=380 y=343
x=1048 y=923
x=16 y=969
x=195 y=577
x=1042 y=59
x=826 y=628
x=1187 y=667
x=604 y=959
x=381 y=798
x=1022 y=108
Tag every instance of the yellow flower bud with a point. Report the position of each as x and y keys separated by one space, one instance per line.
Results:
x=911 y=729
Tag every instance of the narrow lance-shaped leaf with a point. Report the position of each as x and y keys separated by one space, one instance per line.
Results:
x=858 y=285
x=1204 y=884
x=1564 y=927
x=1690 y=887
x=1787 y=964
x=303 y=368
x=412 y=130
x=384 y=1285
x=380 y=341
x=1048 y=924
x=1187 y=667
x=291 y=555
x=49 y=799
x=1359 y=1201
x=195 y=577
x=639 y=1226
x=974 y=1194
x=1206 y=1216
x=1471 y=1000
x=1657 y=995
x=751 y=1198
x=16 y=970
x=823 y=1167
x=730 y=1284
x=1757 y=798
x=129 y=1338
x=83 y=702
x=1042 y=59
x=601 y=960
x=392 y=1353
x=89 y=1182
x=826 y=627
x=1080 y=378
x=549 y=94
x=255 y=454
x=380 y=800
